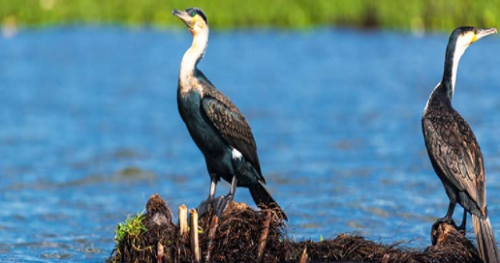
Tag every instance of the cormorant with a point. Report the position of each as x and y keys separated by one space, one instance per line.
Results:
x=217 y=127
x=453 y=150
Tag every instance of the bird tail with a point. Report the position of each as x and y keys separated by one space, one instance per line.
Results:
x=264 y=200
x=485 y=238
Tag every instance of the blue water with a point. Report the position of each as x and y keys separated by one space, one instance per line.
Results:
x=89 y=129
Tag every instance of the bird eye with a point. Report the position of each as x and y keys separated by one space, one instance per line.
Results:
x=193 y=13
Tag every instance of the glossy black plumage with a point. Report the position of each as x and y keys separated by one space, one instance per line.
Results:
x=231 y=125
x=216 y=125
x=454 y=151
x=197 y=11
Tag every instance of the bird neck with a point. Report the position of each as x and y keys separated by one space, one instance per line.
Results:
x=438 y=98
x=453 y=55
x=194 y=54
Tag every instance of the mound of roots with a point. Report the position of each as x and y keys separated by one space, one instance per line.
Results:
x=243 y=234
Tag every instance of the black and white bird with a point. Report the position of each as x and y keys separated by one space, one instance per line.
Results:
x=217 y=127
x=453 y=150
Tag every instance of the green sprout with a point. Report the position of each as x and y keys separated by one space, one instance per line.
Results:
x=132 y=227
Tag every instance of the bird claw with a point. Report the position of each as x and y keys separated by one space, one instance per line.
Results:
x=205 y=206
x=446 y=220
x=221 y=203
x=218 y=205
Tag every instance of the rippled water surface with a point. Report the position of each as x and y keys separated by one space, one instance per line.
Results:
x=89 y=129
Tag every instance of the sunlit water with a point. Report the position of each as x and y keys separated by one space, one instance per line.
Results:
x=89 y=129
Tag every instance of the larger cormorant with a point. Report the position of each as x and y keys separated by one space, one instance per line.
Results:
x=217 y=127
x=453 y=150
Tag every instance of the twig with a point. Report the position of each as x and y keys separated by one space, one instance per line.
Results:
x=195 y=245
x=263 y=235
x=214 y=223
x=303 y=256
x=160 y=252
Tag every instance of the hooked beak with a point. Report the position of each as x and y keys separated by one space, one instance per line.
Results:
x=484 y=32
x=181 y=14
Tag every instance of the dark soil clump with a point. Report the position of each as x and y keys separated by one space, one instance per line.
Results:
x=243 y=234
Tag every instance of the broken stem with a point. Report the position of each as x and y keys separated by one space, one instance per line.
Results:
x=195 y=245
x=303 y=256
x=183 y=229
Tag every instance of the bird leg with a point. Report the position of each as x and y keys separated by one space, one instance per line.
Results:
x=448 y=219
x=461 y=227
x=222 y=203
x=205 y=205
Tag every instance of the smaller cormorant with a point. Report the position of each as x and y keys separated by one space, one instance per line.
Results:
x=453 y=150
x=217 y=127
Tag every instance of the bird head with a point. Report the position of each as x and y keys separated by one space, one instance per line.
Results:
x=463 y=37
x=194 y=19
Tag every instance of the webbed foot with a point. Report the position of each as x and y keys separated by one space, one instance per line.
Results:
x=205 y=206
x=221 y=203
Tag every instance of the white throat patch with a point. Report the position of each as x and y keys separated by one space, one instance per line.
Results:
x=194 y=54
x=462 y=44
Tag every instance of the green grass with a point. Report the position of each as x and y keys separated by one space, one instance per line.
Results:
x=391 y=14
x=133 y=227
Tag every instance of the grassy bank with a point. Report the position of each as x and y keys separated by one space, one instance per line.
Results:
x=391 y=14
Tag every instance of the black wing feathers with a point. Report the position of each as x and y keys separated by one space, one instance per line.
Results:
x=454 y=148
x=231 y=124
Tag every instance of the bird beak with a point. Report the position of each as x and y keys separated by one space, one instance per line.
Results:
x=175 y=12
x=184 y=16
x=484 y=32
